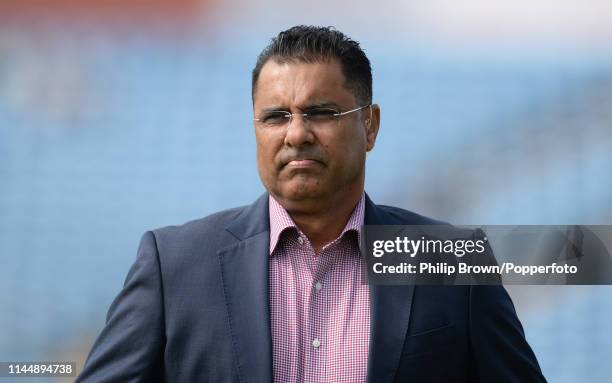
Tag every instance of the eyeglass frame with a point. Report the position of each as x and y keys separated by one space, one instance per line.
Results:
x=305 y=115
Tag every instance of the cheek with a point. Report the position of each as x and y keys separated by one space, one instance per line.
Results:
x=266 y=153
x=347 y=149
x=263 y=159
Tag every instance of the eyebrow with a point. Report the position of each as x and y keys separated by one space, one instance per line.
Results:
x=322 y=105
x=274 y=109
x=316 y=105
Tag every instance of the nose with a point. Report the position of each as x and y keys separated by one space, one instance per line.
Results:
x=298 y=132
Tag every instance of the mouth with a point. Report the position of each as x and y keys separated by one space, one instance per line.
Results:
x=302 y=163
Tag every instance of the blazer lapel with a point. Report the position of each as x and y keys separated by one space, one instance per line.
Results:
x=244 y=269
x=389 y=315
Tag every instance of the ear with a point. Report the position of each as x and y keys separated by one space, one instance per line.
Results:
x=372 y=124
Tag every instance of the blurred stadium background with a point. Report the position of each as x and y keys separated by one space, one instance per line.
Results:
x=121 y=116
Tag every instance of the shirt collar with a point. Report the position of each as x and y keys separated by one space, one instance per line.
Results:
x=280 y=220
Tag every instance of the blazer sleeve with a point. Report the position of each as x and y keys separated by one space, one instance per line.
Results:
x=130 y=347
x=500 y=352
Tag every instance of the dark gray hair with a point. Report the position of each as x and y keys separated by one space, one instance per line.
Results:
x=316 y=44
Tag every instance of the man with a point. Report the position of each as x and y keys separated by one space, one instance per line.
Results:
x=272 y=291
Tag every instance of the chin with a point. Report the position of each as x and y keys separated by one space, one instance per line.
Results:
x=301 y=195
x=300 y=191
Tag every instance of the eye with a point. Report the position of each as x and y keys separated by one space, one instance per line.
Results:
x=322 y=115
x=276 y=118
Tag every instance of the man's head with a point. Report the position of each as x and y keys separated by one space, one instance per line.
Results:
x=308 y=44
x=310 y=162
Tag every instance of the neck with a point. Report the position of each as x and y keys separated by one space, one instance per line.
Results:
x=323 y=221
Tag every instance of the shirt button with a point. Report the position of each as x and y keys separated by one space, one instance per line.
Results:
x=301 y=240
x=316 y=343
x=318 y=286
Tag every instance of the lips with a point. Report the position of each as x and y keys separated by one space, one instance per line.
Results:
x=296 y=160
x=302 y=162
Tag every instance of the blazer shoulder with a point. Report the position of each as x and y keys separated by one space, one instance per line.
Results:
x=401 y=216
x=209 y=231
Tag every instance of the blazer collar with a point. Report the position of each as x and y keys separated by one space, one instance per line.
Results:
x=252 y=220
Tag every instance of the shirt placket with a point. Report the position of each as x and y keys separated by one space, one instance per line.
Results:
x=321 y=291
x=313 y=337
x=306 y=269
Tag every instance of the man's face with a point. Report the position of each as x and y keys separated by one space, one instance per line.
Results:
x=305 y=161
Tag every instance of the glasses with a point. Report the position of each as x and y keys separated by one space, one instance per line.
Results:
x=318 y=116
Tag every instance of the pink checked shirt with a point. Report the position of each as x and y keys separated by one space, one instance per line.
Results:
x=320 y=310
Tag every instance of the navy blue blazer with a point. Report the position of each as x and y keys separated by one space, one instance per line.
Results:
x=195 y=308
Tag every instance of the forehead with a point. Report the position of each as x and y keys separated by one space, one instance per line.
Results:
x=296 y=83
